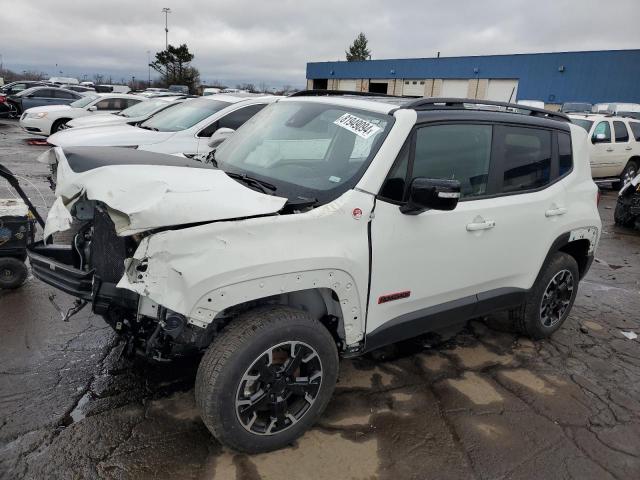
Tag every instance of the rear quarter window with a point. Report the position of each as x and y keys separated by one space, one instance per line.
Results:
x=526 y=158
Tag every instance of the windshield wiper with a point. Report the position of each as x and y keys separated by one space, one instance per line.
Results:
x=254 y=182
x=148 y=128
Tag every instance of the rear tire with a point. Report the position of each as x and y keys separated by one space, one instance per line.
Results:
x=550 y=300
x=266 y=379
x=13 y=273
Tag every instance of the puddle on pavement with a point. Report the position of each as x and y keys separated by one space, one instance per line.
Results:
x=326 y=456
x=480 y=356
x=476 y=389
x=529 y=380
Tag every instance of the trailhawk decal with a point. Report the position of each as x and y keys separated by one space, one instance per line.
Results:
x=357 y=125
x=394 y=296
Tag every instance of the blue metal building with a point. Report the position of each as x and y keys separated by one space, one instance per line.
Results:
x=554 y=78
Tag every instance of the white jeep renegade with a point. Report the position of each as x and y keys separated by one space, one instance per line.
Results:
x=326 y=226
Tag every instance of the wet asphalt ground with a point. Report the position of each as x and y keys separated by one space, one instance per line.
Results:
x=485 y=404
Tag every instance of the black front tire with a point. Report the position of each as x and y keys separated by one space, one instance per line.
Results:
x=231 y=356
x=529 y=318
x=13 y=273
x=57 y=124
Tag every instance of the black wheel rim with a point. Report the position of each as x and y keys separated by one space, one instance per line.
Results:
x=556 y=298
x=279 y=388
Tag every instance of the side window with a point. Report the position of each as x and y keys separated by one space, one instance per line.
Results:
x=44 y=93
x=457 y=152
x=104 y=104
x=621 y=132
x=61 y=94
x=635 y=129
x=565 y=158
x=130 y=102
x=233 y=120
x=526 y=157
x=602 y=128
x=236 y=119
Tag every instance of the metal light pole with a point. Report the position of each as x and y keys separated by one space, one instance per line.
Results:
x=149 y=67
x=166 y=12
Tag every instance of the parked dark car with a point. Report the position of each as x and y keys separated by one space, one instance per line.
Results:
x=79 y=88
x=42 y=96
x=17 y=87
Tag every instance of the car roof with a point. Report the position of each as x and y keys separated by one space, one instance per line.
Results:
x=40 y=87
x=378 y=104
x=120 y=95
x=235 y=98
x=430 y=108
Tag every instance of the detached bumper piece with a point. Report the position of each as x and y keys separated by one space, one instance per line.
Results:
x=47 y=265
x=53 y=265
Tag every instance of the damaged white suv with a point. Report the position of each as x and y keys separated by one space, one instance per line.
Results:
x=326 y=226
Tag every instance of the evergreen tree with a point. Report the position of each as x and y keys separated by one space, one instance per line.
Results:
x=358 y=51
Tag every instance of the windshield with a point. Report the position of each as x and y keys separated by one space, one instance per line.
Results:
x=84 y=101
x=306 y=148
x=185 y=115
x=143 y=108
x=586 y=124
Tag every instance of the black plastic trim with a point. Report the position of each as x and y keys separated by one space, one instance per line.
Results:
x=443 y=315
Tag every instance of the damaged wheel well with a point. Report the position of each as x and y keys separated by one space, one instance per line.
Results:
x=579 y=250
x=322 y=304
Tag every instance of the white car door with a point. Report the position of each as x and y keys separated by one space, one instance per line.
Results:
x=435 y=266
x=622 y=147
x=602 y=151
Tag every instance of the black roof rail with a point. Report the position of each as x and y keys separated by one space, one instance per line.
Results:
x=323 y=93
x=459 y=104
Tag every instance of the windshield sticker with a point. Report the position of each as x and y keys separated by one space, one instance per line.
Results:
x=334 y=179
x=357 y=125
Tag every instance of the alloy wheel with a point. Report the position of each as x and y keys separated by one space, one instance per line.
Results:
x=556 y=298
x=279 y=388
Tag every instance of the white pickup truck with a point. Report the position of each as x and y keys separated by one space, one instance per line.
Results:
x=614 y=147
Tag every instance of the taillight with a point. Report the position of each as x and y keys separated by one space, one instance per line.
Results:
x=3 y=98
x=598 y=198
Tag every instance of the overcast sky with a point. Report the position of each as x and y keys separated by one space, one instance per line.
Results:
x=271 y=41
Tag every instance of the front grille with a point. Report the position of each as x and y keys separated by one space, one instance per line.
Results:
x=108 y=251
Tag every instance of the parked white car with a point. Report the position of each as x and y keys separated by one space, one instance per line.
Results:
x=137 y=113
x=326 y=227
x=185 y=129
x=48 y=119
x=211 y=91
x=614 y=146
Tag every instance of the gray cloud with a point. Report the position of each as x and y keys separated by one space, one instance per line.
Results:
x=271 y=41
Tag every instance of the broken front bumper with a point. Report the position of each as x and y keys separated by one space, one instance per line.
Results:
x=53 y=264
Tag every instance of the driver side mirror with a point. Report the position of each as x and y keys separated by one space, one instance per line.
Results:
x=599 y=138
x=92 y=108
x=431 y=194
x=219 y=136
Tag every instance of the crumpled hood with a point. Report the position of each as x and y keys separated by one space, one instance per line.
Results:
x=145 y=191
x=108 y=136
x=97 y=119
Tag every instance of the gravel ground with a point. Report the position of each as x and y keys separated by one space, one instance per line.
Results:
x=485 y=404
